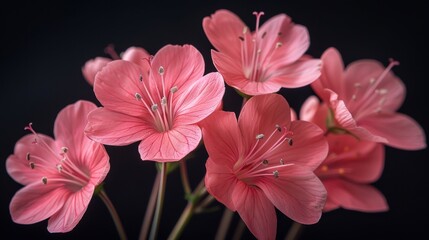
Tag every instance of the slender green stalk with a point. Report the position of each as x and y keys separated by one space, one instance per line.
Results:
x=224 y=224
x=113 y=213
x=150 y=208
x=184 y=176
x=294 y=231
x=239 y=230
x=159 y=202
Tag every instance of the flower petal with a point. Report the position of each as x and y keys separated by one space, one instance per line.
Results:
x=17 y=165
x=37 y=202
x=200 y=99
x=220 y=181
x=256 y=210
x=135 y=55
x=114 y=128
x=401 y=131
x=170 y=146
x=72 y=211
x=116 y=87
x=353 y=196
x=92 y=67
x=296 y=192
x=298 y=74
x=223 y=29
x=222 y=138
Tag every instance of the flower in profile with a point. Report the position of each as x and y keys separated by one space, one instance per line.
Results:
x=93 y=66
x=264 y=161
x=262 y=61
x=59 y=174
x=364 y=99
x=350 y=167
x=158 y=102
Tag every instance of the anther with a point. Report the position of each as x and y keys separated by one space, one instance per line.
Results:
x=260 y=136
x=32 y=166
x=244 y=30
x=264 y=34
x=276 y=174
x=154 y=107
x=241 y=38
x=59 y=168
x=27 y=156
x=290 y=141
x=161 y=70
x=174 y=89
x=278 y=128
x=282 y=162
x=163 y=101
x=44 y=180
x=279 y=44
x=138 y=96
x=265 y=162
x=64 y=149
x=141 y=78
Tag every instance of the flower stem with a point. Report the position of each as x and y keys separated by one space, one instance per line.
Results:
x=184 y=176
x=113 y=213
x=224 y=224
x=159 y=202
x=150 y=208
x=294 y=231
x=239 y=230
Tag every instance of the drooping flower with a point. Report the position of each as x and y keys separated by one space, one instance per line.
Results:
x=364 y=99
x=350 y=167
x=93 y=66
x=264 y=160
x=158 y=102
x=262 y=61
x=59 y=174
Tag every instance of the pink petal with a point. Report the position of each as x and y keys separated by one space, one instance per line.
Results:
x=200 y=99
x=223 y=29
x=17 y=165
x=37 y=202
x=135 y=55
x=332 y=73
x=116 y=87
x=72 y=211
x=182 y=65
x=222 y=138
x=92 y=67
x=357 y=197
x=261 y=114
x=401 y=131
x=309 y=145
x=220 y=180
x=256 y=210
x=297 y=192
x=170 y=146
x=297 y=74
x=115 y=128
x=309 y=109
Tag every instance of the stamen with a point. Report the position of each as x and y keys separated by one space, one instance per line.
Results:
x=276 y=174
x=278 y=128
x=174 y=89
x=138 y=96
x=27 y=156
x=290 y=141
x=161 y=70
x=32 y=166
x=241 y=38
x=282 y=162
x=154 y=107
x=59 y=168
x=163 y=101
x=265 y=162
x=279 y=44
x=260 y=136
x=141 y=78
x=245 y=30
x=64 y=150
x=45 y=180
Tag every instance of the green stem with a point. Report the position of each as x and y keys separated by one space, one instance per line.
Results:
x=113 y=213
x=150 y=208
x=239 y=230
x=224 y=224
x=184 y=176
x=294 y=231
x=188 y=211
x=159 y=202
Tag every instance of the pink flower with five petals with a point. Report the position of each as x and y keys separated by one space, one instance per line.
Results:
x=262 y=61
x=158 y=102
x=364 y=98
x=59 y=175
x=350 y=167
x=264 y=160
x=93 y=66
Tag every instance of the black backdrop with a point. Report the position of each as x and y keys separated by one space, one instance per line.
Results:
x=44 y=45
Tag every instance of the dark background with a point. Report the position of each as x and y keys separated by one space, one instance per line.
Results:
x=45 y=44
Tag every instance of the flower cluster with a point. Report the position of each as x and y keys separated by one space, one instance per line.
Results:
x=268 y=157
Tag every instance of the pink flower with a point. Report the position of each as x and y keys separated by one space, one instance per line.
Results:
x=265 y=60
x=93 y=66
x=265 y=160
x=364 y=98
x=158 y=102
x=59 y=175
x=350 y=167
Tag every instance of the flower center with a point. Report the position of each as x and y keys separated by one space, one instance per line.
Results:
x=62 y=170
x=158 y=104
x=255 y=62
x=262 y=159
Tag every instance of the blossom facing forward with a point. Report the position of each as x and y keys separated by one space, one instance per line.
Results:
x=158 y=101
x=264 y=160
x=262 y=61
x=59 y=174
x=350 y=167
x=364 y=99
